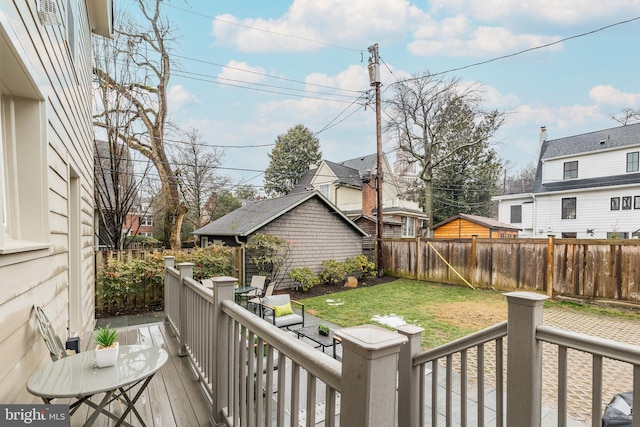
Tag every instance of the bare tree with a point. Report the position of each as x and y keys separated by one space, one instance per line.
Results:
x=144 y=51
x=196 y=166
x=626 y=116
x=433 y=120
x=520 y=182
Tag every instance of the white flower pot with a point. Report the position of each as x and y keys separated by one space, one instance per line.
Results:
x=107 y=356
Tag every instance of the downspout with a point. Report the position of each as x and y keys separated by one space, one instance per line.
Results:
x=244 y=264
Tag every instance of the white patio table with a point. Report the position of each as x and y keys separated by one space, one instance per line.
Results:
x=78 y=377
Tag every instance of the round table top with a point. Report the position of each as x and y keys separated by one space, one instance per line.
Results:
x=78 y=375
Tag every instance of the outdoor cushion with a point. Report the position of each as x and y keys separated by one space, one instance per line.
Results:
x=269 y=305
x=283 y=310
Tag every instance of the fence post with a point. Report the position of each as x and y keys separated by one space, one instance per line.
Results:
x=222 y=291
x=408 y=377
x=551 y=244
x=369 y=371
x=524 y=359
x=169 y=262
x=186 y=271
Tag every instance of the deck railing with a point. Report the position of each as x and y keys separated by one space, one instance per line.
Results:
x=256 y=374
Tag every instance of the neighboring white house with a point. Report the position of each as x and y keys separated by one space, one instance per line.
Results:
x=586 y=186
x=351 y=186
x=46 y=178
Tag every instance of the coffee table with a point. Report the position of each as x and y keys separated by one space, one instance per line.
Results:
x=311 y=333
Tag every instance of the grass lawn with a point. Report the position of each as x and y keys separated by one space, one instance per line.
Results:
x=445 y=312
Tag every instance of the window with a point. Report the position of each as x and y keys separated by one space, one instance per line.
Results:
x=636 y=202
x=569 y=235
x=615 y=203
x=146 y=221
x=626 y=202
x=617 y=235
x=569 y=208
x=408 y=226
x=633 y=161
x=22 y=174
x=324 y=190
x=516 y=214
x=571 y=170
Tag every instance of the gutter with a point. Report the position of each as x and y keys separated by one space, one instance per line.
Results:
x=244 y=264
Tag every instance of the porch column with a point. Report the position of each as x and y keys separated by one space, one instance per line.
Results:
x=409 y=377
x=186 y=271
x=369 y=371
x=169 y=262
x=524 y=359
x=222 y=290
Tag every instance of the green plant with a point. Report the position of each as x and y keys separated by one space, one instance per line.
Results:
x=105 y=336
x=270 y=255
x=360 y=267
x=304 y=276
x=334 y=272
x=323 y=330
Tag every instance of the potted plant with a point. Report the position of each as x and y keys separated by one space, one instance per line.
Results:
x=107 y=347
x=323 y=330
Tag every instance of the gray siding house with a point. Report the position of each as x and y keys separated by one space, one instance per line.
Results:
x=315 y=229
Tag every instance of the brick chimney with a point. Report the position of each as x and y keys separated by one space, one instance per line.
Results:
x=368 y=194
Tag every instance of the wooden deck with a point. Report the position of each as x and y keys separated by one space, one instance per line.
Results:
x=173 y=398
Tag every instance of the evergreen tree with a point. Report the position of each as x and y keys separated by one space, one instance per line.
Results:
x=290 y=158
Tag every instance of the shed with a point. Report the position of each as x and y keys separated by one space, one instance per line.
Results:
x=465 y=226
x=315 y=229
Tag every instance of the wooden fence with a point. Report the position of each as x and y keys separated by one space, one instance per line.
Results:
x=589 y=268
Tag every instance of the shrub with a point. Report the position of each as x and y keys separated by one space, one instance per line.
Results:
x=360 y=267
x=304 y=276
x=334 y=272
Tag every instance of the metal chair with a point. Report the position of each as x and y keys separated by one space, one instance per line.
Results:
x=53 y=342
x=257 y=301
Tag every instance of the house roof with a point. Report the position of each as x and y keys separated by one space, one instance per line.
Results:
x=606 y=139
x=481 y=220
x=617 y=137
x=250 y=218
x=374 y=219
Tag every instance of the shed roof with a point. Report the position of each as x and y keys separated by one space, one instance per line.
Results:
x=481 y=220
x=250 y=218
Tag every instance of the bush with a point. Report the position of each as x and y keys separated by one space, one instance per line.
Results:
x=304 y=276
x=214 y=260
x=334 y=273
x=360 y=267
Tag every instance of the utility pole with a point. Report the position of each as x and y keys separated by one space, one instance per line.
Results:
x=374 y=80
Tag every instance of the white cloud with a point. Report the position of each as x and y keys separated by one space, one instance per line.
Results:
x=606 y=94
x=178 y=97
x=351 y=23
x=243 y=72
x=542 y=11
x=456 y=37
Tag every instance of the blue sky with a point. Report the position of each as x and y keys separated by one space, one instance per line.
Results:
x=318 y=51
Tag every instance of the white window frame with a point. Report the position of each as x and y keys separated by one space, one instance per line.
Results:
x=23 y=159
x=408 y=226
x=324 y=190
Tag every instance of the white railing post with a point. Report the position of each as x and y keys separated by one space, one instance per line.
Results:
x=186 y=271
x=524 y=359
x=408 y=377
x=168 y=263
x=222 y=290
x=369 y=372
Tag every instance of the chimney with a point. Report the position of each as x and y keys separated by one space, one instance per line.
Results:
x=368 y=194
x=543 y=135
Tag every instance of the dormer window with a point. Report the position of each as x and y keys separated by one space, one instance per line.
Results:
x=570 y=170
x=633 y=161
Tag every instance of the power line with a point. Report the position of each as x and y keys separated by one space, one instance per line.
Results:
x=264 y=74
